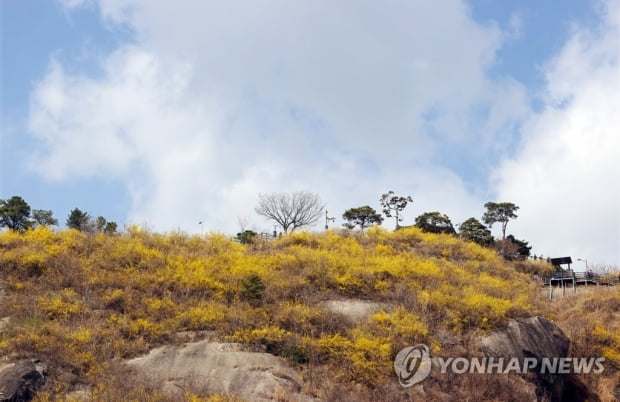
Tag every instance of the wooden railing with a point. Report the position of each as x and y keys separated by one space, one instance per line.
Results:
x=560 y=277
x=565 y=278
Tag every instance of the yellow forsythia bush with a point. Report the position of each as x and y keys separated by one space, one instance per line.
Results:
x=99 y=297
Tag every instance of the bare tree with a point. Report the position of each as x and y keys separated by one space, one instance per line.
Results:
x=290 y=211
x=243 y=222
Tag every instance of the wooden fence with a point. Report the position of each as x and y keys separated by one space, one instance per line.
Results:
x=563 y=279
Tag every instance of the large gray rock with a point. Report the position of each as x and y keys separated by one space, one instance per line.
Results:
x=210 y=367
x=527 y=337
x=354 y=310
x=21 y=380
x=534 y=337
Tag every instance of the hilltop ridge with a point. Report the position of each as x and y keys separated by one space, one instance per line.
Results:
x=84 y=303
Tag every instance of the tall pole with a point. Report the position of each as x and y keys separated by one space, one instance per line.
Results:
x=587 y=276
x=327 y=220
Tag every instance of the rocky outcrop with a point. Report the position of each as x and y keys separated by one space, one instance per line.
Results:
x=20 y=381
x=210 y=367
x=353 y=310
x=539 y=338
x=527 y=337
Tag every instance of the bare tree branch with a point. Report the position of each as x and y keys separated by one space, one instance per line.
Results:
x=243 y=222
x=290 y=211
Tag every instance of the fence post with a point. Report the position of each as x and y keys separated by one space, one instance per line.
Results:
x=563 y=286
x=550 y=290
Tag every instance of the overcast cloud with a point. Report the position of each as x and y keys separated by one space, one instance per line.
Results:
x=565 y=176
x=214 y=102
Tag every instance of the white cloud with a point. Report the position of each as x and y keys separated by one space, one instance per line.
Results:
x=72 y=4
x=516 y=25
x=565 y=175
x=97 y=128
x=218 y=101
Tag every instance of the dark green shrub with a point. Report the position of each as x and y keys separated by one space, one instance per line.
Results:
x=246 y=237
x=252 y=287
x=296 y=353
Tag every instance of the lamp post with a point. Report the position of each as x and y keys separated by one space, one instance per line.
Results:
x=202 y=226
x=327 y=220
x=589 y=274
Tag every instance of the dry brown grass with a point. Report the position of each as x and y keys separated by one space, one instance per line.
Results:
x=83 y=303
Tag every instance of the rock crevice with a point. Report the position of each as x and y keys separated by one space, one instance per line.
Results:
x=539 y=338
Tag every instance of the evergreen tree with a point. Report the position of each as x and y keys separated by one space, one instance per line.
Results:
x=362 y=217
x=473 y=230
x=78 y=220
x=15 y=214
x=100 y=223
x=110 y=227
x=246 y=237
x=393 y=205
x=499 y=212
x=44 y=217
x=434 y=222
x=523 y=247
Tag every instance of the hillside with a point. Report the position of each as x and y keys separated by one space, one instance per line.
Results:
x=84 y=304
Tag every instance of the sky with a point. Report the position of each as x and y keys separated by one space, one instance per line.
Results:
x=167 y=114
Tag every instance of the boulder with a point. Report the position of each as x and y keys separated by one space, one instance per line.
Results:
x=354 y=310
x=21 y=380
x=527 y=337
x=224 y=368
x=533 y=337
